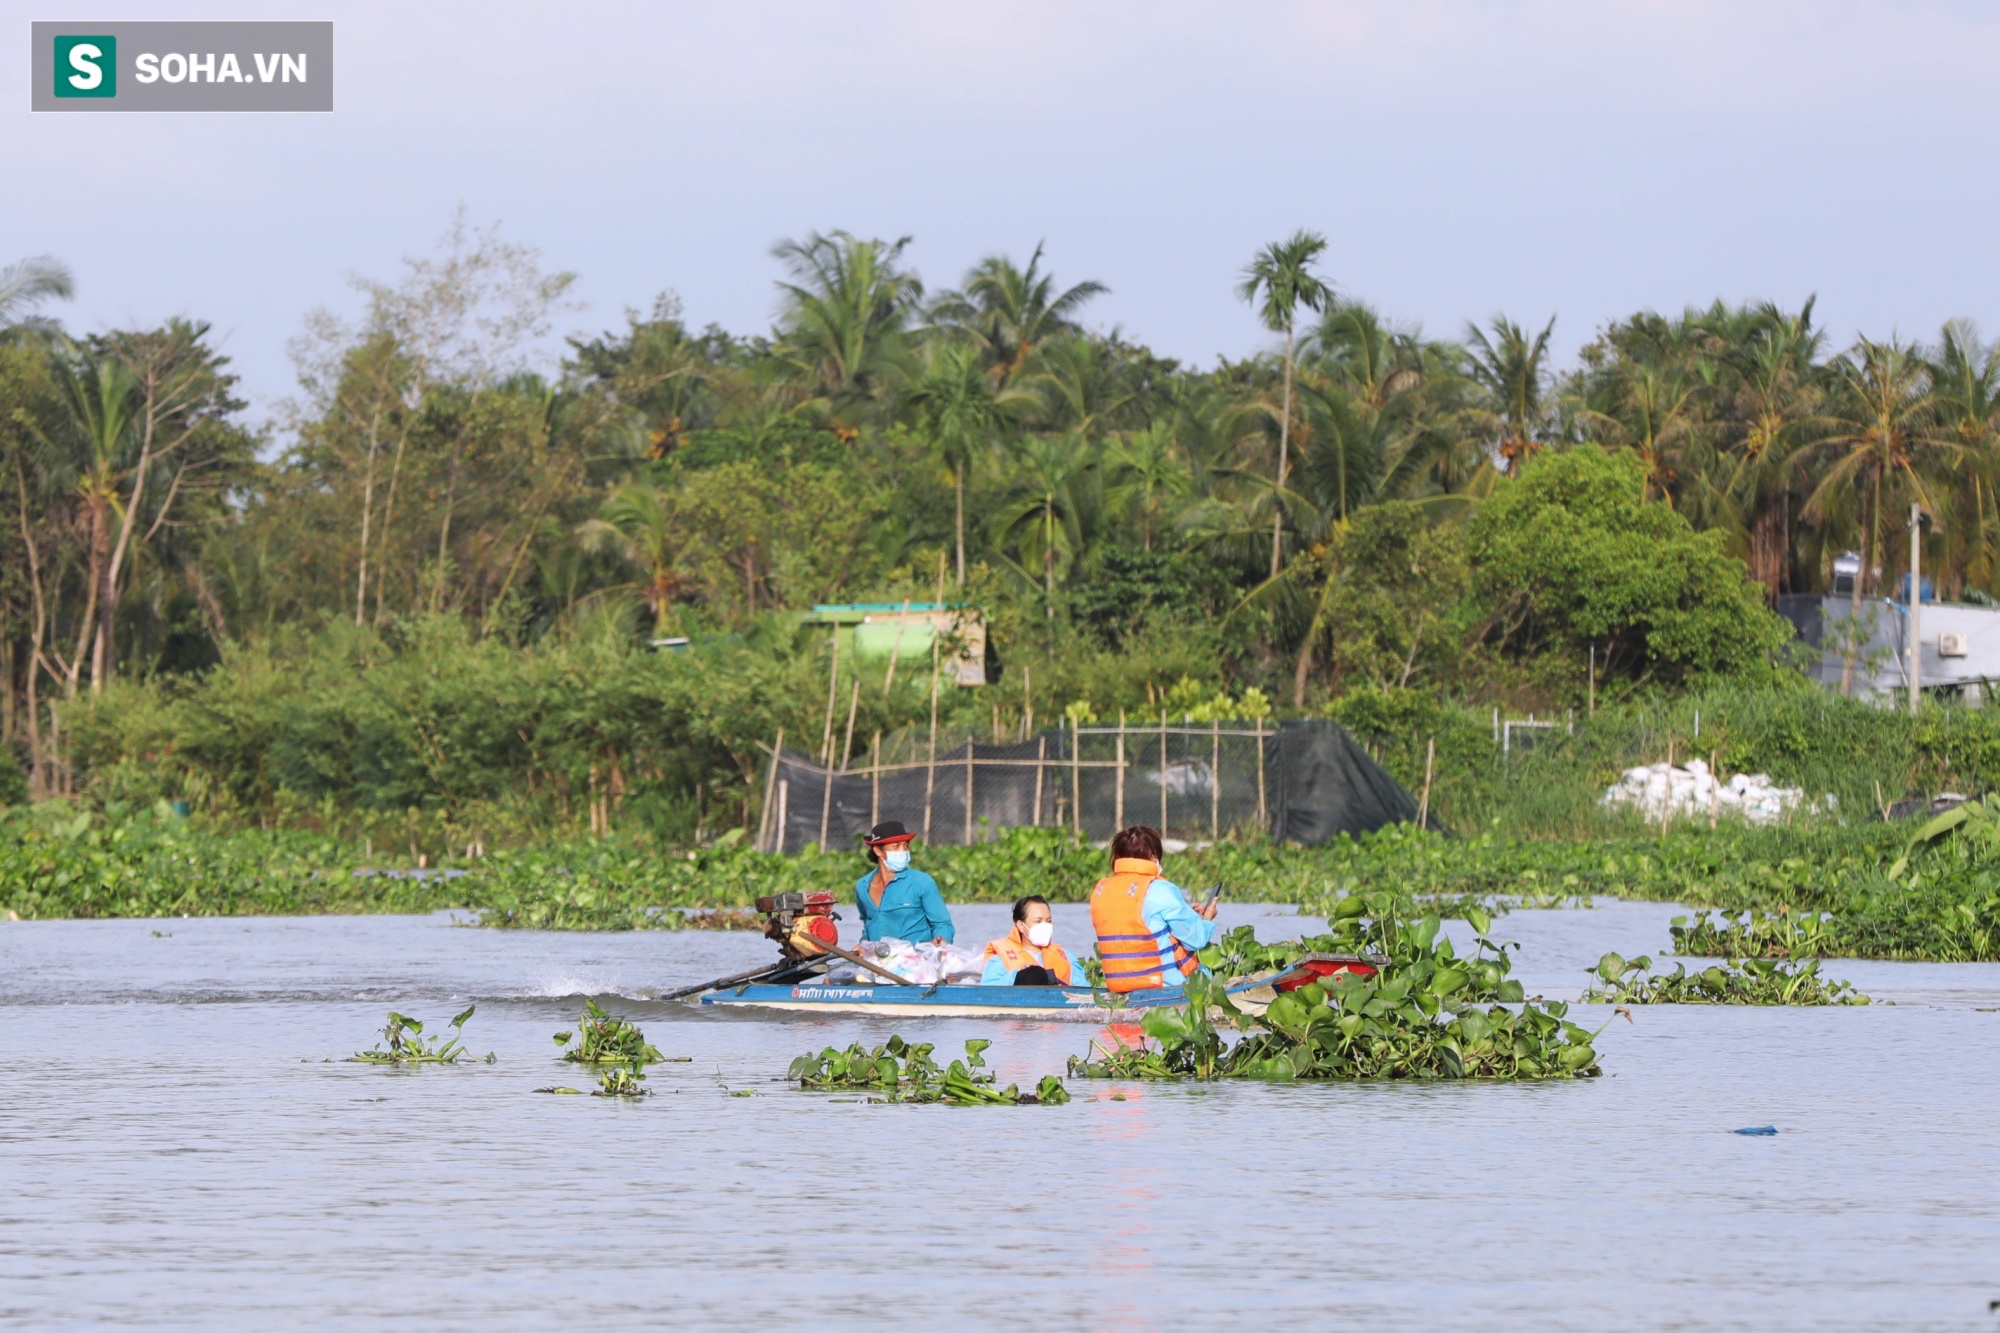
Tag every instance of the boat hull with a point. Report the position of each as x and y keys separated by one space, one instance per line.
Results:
x=814 y=995
x=1055 y=1003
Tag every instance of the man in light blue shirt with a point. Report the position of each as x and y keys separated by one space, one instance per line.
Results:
x=897 y=901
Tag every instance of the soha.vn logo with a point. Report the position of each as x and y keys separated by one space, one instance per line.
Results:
x=207 y=67
x=87 y=66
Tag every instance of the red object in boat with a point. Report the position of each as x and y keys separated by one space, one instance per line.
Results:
x=1319 y=966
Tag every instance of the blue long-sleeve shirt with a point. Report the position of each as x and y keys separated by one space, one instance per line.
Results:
x=911 y=908
x=1166 y=908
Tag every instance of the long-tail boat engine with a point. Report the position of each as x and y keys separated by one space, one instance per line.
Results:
x=801 y=923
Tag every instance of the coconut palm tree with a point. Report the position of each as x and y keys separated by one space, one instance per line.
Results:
x=1883 y=447
x=1278 y=281
x=1012 y=311
x=845 y=312
x=1147 y=474
x=1656 y=413
x=966 y=416
x=1084 y=384
x=88 y=451
x=637 y=524
x=1774 y=388
x=1044 y=523
x=1511 y=370
x=25 y=285
x=1965 y=386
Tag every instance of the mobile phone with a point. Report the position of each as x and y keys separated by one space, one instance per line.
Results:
x=1214 y=895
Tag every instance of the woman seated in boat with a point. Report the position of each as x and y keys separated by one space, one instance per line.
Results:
x=1147 y=934
x=1028 y=955
x=896 y=900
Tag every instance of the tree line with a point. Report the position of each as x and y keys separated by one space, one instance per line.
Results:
x=1359 y=506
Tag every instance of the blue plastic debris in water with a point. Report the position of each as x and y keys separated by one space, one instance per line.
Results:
x=1761 y=1131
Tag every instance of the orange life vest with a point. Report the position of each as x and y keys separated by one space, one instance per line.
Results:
x=1130 y=949
x=1017 y=955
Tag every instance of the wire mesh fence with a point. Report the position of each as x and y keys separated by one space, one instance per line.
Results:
x=1192 y=782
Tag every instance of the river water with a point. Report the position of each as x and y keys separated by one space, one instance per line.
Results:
x=176 y=1153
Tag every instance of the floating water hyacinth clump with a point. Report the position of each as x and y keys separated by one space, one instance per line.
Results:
x=1736 y=981
x=403 y=1043
x=899 y=1071
x=626 y=1080
x=1425 y=1013
x=601 y=1038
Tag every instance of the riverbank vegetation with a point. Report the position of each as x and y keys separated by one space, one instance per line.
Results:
x=476 y=601
x=424 y=597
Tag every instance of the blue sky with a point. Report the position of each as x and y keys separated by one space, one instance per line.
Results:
x=1580 y=160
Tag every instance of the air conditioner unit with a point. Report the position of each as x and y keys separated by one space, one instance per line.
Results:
x=1953 y=645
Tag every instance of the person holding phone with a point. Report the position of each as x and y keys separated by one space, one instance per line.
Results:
x=1147 y=933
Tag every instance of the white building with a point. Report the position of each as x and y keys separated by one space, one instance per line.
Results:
x=1959 y=648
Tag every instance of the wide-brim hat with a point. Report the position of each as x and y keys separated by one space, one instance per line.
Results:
x=889 y=830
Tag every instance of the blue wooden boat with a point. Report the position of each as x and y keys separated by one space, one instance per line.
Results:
x=816 y=995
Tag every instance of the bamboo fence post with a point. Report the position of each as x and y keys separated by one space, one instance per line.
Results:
x=826 y=739
x=968 y=791
x=1214 y=779
x=770 y=784
x=896 y=648
x=1714 y=789
x=1118 y=819
x=1076 y=776
x=1424 y=806
x=825 y=802
x=832 y=697
x=1263 y=811
x=853 y=706
x=930 y=768
x=1163 y=775
x=1041 y=756
x=875 y=795
x=1027 y=703
x=784 y=812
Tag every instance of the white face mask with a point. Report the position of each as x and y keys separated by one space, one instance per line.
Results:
x=897 y=859
x=1041 y=933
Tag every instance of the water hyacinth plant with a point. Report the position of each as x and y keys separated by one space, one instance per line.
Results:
x=403 y=1043
x=1755 y=933
x=601 y=1038
x=1425 y=1014
x=1745 y=981
x=899 y=1071
x=623 y=1080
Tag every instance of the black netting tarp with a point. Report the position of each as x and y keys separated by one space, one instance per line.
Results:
x=1326 y=785
x=1303 y=781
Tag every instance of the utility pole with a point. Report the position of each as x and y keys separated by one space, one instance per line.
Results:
x=1916 y=602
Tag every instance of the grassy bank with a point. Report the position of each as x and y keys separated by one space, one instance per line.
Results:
x=1808 y=888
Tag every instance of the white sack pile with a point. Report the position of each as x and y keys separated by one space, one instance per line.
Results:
x=1662 y=791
